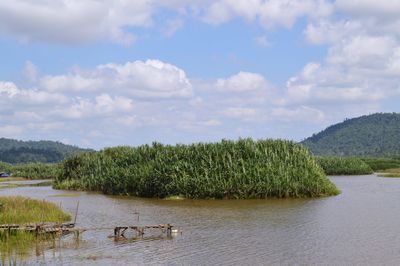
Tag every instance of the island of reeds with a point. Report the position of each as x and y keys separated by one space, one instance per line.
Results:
x=240 y=169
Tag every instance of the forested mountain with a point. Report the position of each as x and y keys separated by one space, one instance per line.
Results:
x=17 y=151
x=371 y=135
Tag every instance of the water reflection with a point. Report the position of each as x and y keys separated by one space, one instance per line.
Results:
x=14 y=251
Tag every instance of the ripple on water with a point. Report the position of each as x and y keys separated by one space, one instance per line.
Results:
x=358 y=227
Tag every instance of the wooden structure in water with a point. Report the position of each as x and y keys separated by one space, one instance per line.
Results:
x=40 y=228
x=67 y=228
x=119 y=231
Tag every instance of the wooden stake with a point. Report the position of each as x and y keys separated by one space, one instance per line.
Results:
x=76 y=212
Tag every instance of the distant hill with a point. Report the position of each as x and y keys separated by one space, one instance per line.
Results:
x=370 y=135
x=17 y=151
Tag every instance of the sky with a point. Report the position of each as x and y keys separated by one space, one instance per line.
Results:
x=99 y=73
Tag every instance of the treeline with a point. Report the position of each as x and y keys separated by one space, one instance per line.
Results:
x=376 y=135
x=16 y=151
x=227 y=169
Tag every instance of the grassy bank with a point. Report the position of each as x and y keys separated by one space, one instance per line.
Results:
x=21 y=210
x=395 y=173
x=31 y=170
x=227 y=169
x=334 y=165
x=15 y=245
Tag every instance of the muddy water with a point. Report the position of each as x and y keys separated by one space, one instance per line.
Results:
x=359 y=227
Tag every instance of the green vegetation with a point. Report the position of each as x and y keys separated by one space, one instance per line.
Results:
x=382 y=163
x=31 y=170
x=374 y=135
x=334 y=165
x=5 y=184
x=8 y=179
x=228 y=169
x=20 y=210
x=36 y=170
x=15 y=151
x=390 y=173
x=15 y=245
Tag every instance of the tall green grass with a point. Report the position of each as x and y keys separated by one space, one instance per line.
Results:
x=334 y=165
x=15 y=245
x=32 y=170
x=382 y=163
x=20 y=210
x=227 y=169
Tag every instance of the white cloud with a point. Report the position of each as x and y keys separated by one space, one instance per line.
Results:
x=394 y=62
x=299 y=114
x=362 y=63
x=11 y=94
x=366 y=8
x=74 y=21
x=334 y=83
x=269 y=13
x=242 y=113
x=324 y=31
x=285 y=13
x=11 y=131
x=26 y=116
x=8 y=89
x=72 y=82
x=224 y=10
x=149 y=79
x=210 y=123
x=363 y=51
x=77 y=22
x=103 y=105
x=242 y=82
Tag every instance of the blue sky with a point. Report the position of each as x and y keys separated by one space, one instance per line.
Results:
x=104 y=73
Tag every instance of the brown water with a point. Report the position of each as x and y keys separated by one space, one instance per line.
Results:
x=359 y=227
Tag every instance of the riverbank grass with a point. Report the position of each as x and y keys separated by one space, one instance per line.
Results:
x=9 y=179
x=15 y=245
x=394 y=173
x=21 y=210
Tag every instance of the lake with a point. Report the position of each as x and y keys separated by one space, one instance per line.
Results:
x=361 y=226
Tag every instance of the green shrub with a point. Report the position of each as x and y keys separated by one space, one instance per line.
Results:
x=382 y=163
x=32 y=170
x=334 y=165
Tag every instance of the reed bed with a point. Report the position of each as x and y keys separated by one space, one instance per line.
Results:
x=32 y=170
x=382 y=163
x=334 y=165
x=227 y=169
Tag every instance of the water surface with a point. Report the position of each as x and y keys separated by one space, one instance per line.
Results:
x=361 y=226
